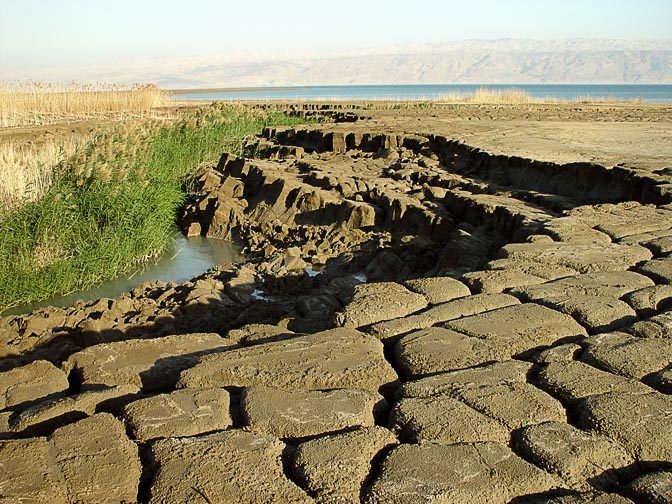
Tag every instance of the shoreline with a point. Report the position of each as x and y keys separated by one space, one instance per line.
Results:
x=246 y=89
x=225 y=89
x=452 y=93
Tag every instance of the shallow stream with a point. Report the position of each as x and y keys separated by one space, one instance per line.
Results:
x=185 y=259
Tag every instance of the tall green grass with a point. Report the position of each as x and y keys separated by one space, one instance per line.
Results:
x=113 y=203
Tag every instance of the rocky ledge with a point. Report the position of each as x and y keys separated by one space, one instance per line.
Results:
x=416 y=320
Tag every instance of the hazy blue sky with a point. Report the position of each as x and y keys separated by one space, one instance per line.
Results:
x=81 y=32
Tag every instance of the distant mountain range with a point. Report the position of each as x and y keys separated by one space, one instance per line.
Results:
x=505 y=61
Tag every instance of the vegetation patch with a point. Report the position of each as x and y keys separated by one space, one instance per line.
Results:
x=38 y=103
x=112 y=204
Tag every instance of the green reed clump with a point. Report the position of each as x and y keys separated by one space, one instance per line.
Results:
x=113 y=203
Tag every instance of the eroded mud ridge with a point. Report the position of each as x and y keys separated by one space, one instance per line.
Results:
x=416 y=321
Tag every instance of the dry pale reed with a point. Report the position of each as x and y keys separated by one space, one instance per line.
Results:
x=27 y=170
x=39 y=103
x=518 y=96
x=486 y=95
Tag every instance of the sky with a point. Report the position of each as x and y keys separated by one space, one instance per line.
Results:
x=78 y=33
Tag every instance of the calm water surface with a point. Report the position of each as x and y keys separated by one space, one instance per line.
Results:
x=185 y=259
x=650 y=93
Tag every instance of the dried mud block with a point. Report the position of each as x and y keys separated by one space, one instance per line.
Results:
x=152 y=364
x=498 y=391
x=472 y=305
x=630 y=218
x=538 y=238
x=229 y=466
x=41 y=419
x=40 y=322
x=436 y=350
x=334 y=468
x=32 y=382
x=660 y=246
x=375 y=302
x=444 y=420
x=626 y=355
x=658 y=326
x=253 y=334
x=658 y=242
x=443 y=312
x=617 y=220
x=582 y=257
x=338 y=358
x=571 y=381
x=592 y=298
x=361 y=215
x=573 y=230
x=5 y=419
x=560 y=353
x=303 y=413
x=658 y=269
x=510 y=371
x=613 y=284
x=473 y=473
x=594 y=497
x=514 y=405
x=99 y=463
x=545 y=271
x=650 y=300
x=390 y=330
x=584 y=460
x=662 y=380
x=438 y=289
x=491 y=281
x=596 y=313
x=29 y=473
x=477 y=207
x=641 y=423
x=185 y=412
x=519 y=328
x=654 y=488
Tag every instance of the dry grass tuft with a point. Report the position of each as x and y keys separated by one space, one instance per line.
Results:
x=518 y=96
x=485 y=95
x=39 y=103
x=512 y=95
x=27 y=170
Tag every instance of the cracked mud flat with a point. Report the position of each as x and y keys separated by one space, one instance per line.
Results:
x=417 y=320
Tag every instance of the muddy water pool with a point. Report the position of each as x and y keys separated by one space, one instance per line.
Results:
x=186 y=258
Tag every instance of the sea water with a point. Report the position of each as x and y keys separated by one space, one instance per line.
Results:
x=654 y=93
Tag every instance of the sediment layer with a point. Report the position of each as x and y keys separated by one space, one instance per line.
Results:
x=416 y=320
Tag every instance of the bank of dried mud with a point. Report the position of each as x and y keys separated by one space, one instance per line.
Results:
x=416 y=320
